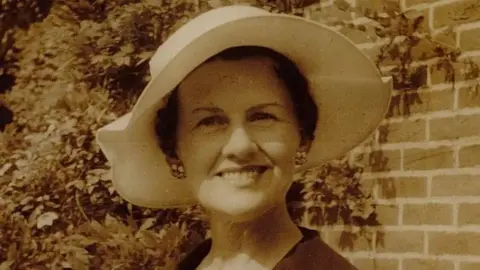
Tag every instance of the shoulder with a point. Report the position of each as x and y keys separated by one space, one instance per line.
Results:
x=312 y=254
x=193 y=259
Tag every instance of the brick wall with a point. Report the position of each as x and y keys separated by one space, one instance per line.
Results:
x=428 y=191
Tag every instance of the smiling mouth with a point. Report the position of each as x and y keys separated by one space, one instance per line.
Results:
x=244 y=177
x=249 y=171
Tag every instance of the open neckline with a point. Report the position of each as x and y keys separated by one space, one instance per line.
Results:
x=194 y=258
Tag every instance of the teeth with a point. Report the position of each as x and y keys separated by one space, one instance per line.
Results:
x=241 y=174
x=241 y=178
x=250 y=173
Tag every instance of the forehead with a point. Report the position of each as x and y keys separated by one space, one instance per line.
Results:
x=220 y=80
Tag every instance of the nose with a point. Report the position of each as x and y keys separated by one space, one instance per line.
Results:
x=240 y=146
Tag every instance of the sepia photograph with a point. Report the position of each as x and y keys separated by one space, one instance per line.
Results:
x=240 y=134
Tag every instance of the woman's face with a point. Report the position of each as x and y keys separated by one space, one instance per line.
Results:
x=237 y=136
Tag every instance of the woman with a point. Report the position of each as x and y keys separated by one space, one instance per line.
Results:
x=239 y=101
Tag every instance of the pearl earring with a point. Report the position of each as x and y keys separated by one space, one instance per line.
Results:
x=178 y=171
x=300 y=158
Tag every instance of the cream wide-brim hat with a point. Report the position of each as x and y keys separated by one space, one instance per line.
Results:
x=351 y=95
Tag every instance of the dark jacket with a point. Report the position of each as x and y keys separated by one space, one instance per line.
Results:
x=311 y=253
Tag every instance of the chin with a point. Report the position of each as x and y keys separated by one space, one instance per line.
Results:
x=239 y=209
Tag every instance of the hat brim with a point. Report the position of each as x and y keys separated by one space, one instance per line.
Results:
x=351 y=95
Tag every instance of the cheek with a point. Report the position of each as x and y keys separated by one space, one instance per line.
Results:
x=281 y=147
x=281 y=153
x=198 y=155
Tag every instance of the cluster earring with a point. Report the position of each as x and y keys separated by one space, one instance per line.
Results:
x=177 y=171
x=300 y=158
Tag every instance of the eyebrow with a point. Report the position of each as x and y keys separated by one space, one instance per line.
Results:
x=208 y=109
x=218 y=110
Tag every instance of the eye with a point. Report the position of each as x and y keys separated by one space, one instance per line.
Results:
x=259 y=116
x=211 y=121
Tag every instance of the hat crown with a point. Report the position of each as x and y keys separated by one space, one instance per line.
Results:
x=195 y=28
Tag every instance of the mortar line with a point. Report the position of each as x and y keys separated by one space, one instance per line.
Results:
x=455 y=214
x=456 y=156
x=429 y=186
x=455 y=98
x=400 y=214
x=427 y=130
x=425 y=243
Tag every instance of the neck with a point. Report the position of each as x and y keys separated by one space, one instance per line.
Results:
x=259 y=243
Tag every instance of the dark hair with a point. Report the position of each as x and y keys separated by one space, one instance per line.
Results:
x=297 y=85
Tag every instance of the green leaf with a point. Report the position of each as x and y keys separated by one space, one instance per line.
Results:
x=99 y=229
x=342 y=5
x=46 y=219
x=144 y=56
x=104 y=41
x=391 y=7
x=147 y=238
x=118 y=58
x=6 y=265
x=412 y=14
x=76 y=262
x=79 y=184
x=127 y=60
x=218 y=3
x=98 y=59
x=128 y=48
x=12 y=252
x=147 y=224
x=5 y=168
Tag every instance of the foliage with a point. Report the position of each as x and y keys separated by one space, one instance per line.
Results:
x=16 y=14
x=59 y=208
x=55 y=181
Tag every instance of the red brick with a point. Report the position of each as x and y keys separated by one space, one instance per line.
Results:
x=468 y=214
x=368 y=185
x=387 y=214
x=422 y=102
x=418 y=79
x=377 y=161
x=455 y=13
x=329 y=14
x=400 y=241
x=428 y=214
x=402 y=187
x=426 y=264
x=456 y=185
x=428 y=159
x=469 y=266
x=462 y=243
x=470 y=39
x=438 y=74
x=456 y=127
x=409 y=3
x=376 y=5
x=343 y=241
x=468 y=98
x=356 y=36
x=375 y=263
x=469 y=156
x=423 y=50
x=405 y=131
x=448 y=37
